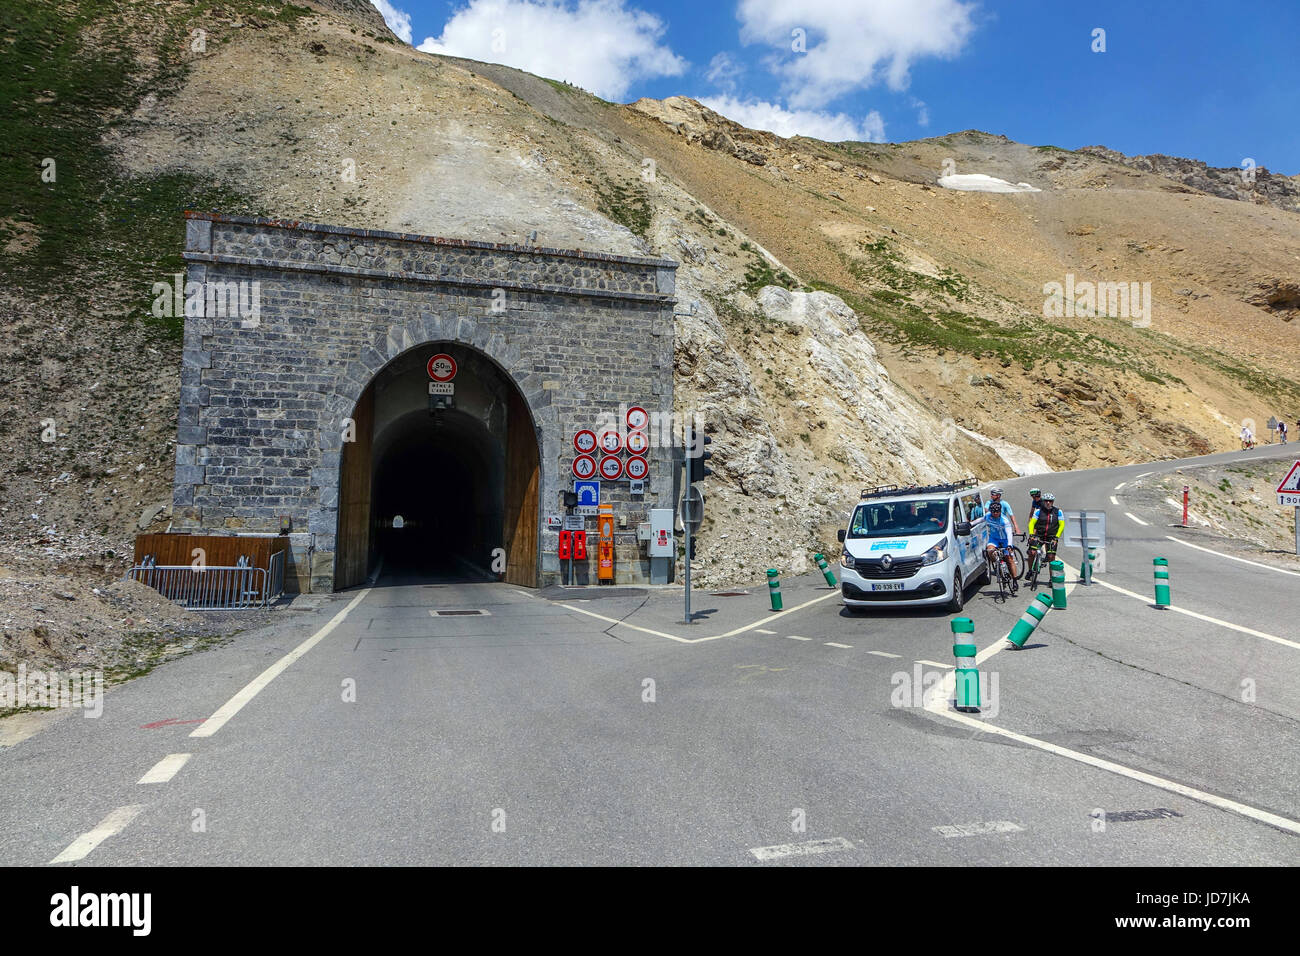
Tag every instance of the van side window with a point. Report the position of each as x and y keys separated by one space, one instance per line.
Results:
x=974 y=508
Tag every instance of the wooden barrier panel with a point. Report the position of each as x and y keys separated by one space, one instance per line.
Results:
x=220 y=550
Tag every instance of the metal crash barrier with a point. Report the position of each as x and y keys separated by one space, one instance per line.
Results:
x=210 y=588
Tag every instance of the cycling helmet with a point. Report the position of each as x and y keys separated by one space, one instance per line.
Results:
x=995 y=508
x=1035 y=492
x=995 y=490
x=1049 y=497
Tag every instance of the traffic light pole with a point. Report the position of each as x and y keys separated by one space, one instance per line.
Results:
x=685 y=526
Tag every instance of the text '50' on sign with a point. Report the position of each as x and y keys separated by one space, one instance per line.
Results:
x=442 y=367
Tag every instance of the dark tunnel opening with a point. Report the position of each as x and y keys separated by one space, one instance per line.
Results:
x=438 y=496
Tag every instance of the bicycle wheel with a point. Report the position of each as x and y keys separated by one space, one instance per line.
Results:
x=1004 y=579
x=1019 y=562
x=1036 y=563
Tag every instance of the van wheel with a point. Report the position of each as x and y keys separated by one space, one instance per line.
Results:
x=958 y=593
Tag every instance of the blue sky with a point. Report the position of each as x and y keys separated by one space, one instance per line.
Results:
x=1208 y=81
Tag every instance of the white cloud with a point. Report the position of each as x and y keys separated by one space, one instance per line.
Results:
x=922 y=112
x=399 y=21
x=723 y=71
x=852 y=44
x=602 y=46
x=832 y=127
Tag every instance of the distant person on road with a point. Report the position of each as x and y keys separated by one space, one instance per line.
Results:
x=1281 y=430
x=999 y=525
x=1047 y=525
x=995 y=497
x=1247 y=437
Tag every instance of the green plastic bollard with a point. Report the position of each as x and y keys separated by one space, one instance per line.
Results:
x=825 y=570
x=968 y=675
x=1058 y=585
x=1086 y=570
x=774 y=588
x=1162 y=581
x=1032 y=617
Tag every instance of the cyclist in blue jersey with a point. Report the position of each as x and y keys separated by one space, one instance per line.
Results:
x=999 y=525
x=995 y=496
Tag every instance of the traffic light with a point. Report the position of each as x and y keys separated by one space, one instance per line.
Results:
x=697 y=454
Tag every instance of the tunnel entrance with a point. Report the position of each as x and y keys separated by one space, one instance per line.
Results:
x=439 y=493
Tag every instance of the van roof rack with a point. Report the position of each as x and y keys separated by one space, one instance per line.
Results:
x=890 y=491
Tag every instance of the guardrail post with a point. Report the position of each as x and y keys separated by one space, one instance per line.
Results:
x=774 y=588
x=1030 y=620
x=826 y=570
x=1162 y=581
x=967 y=674
x=1058 y=585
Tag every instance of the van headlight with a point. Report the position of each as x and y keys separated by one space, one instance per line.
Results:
x=936 y=554
x=846 y=560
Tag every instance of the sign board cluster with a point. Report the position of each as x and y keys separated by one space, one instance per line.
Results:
x=599 y=454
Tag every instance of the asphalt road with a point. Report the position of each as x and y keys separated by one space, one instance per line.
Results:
x=590 y=727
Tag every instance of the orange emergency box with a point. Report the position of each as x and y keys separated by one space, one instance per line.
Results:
x=605 y=549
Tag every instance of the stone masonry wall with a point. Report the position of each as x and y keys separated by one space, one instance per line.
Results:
x=263 y=400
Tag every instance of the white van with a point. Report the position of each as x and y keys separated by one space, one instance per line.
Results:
x=914 y=546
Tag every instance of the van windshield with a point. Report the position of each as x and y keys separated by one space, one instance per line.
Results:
x=888 y=519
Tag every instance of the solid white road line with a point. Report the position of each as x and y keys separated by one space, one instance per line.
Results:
x=255 y=686
x=1230 y=557
x=884 y=654
x=938 y=705
x=115 y=822
x=1145 y=473
x=833 y=845
x=796 y=637
x=773 y=617
x=844 y=646
x=635 y=627
x=936 y=664
x=1129 y=514
x=1201 y=617
x=701 y=640
x=1223 y=803
x=165 y=769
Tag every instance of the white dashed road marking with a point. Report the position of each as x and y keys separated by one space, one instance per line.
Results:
x=1120 y=485
x=115 y=822
x=884 y=654
x=977 y=829
x=785 y=850
x=1114 y=500
x=845 y=646
x=936 y=664
x=761 y=630
x=796 y=637
x=1129 y=514
x=165 y=769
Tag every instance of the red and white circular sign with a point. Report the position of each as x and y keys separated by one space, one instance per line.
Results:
x=637 y=418
x=584 y=467
x=636 y=467
x=585 y=441
x=611 y=468
x=611 y=442
x=637 y=443
x=442 y=367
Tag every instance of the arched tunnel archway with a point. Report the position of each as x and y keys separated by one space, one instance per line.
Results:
x=447 y=492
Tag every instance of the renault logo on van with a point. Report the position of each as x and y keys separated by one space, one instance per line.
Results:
x=887 y=562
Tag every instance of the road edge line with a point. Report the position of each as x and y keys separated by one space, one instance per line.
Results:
x=250 y=690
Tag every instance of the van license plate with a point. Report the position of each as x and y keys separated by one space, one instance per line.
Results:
x=887 y=587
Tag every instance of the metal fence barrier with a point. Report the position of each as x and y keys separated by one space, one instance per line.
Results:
x=214 y=588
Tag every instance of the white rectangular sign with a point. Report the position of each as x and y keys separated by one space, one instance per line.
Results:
x=1075 y=531
x=442 y=388
x=574 y=522
x=1286 y=498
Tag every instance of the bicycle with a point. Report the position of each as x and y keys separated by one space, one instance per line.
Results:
x=1036 y=547
x=1000 y=570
